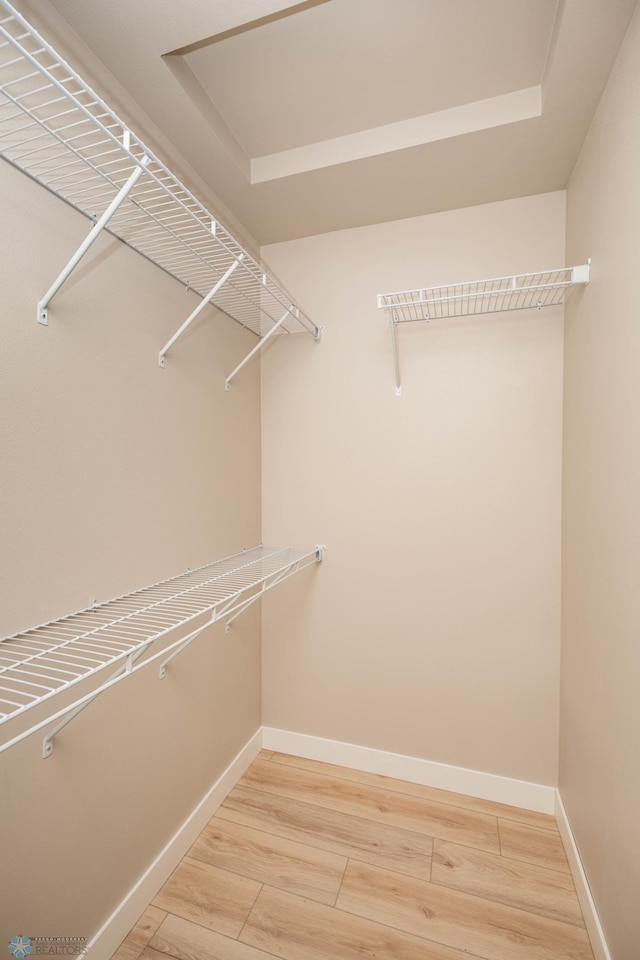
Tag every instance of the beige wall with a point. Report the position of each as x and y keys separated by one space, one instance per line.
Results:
x=432 y=627
x=114 y=474
x=600 y=717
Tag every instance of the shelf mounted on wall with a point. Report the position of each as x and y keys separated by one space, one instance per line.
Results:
x=42 y=663
x=56 y=129
x=517 y=292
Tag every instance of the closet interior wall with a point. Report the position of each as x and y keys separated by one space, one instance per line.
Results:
x=434 y=630
x=115 y=474
x=600 y=715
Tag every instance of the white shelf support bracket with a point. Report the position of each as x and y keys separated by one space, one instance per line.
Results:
x=396 y=361
x=201 y=306
x=126 y=667
x=217 y=615
x=185 y=643
x=581 y=274
x=318 y=335
x=265 y=587
x=98 y=227
x=280 y=578
x=259 y=345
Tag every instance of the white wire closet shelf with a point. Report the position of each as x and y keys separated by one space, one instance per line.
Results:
x=40 y=663
x=57 y=130
x=524 y=291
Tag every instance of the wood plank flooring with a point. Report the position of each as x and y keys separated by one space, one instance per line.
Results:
x=309 y=861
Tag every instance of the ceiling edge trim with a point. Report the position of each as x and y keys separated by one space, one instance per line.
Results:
x=442 y=125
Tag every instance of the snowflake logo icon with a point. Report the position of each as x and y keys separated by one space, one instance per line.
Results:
x=20 y=947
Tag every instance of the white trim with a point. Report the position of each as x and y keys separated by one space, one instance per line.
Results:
x=474 y=783
x=106 y=941
x=441 y=125
x=589 y=911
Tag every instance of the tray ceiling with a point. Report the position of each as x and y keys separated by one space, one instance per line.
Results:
x=306 y=117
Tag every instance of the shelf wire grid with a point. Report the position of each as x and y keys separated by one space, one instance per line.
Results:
x=44 y=661
x=57 y=130
x=521 y=292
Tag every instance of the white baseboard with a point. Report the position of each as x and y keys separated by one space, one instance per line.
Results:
x=589 y=911
x=474 y=783
x=115 y=929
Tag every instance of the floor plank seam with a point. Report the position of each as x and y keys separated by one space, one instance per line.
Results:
x=280 y=836
x=342 y=880
x=489 y=900
x=535 y=863
x=485 y=898
x=551 y=828
x=317 y=806
x=373 y=820
x=250 y=912
x=410 y=933
x=336 y=807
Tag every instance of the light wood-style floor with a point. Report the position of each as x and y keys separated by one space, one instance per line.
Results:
x=307 y=861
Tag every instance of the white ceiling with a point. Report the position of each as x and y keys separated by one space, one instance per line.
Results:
x=307 y=117
x=350 y=65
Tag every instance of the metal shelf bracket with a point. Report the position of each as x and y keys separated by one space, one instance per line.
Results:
x=198 y=310
x=293 y=311
x=394 y=344
x=123 y=670
x=259 y=345
x=269 y=585
x=98 y=227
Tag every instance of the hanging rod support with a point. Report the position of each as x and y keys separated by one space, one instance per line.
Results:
x=98 y=227
x=203 y=303
x=259 y=345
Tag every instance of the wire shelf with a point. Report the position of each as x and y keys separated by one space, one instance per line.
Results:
x=39 y=663
x=56 y=129
x=524 y=291
x=520 y=292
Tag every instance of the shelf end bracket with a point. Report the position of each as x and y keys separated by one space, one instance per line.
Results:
x=581 y=274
